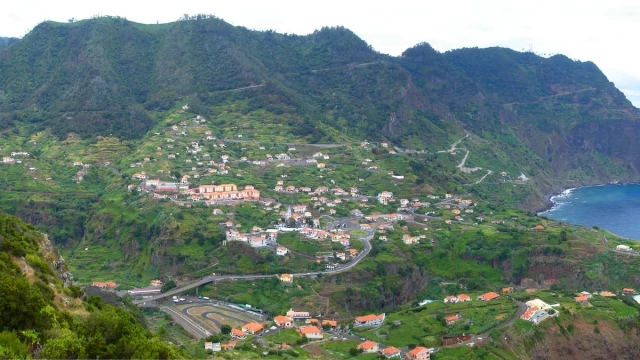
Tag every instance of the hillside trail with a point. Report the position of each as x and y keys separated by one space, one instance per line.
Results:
x=542 y=98
x=464 y=169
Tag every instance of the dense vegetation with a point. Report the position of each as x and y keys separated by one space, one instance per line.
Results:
x=111 y=76
x=33 y=322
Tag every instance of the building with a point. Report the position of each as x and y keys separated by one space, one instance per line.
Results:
x=607 y=294
x=105 y=285
x=452 y=319
x=238 y=334
x=331 y=323
x=390 y=352
x=215 y=347
x=464 y=298
x=369 y=320
x=488 y=296
x=450 y=299
x=507 y=290
x=384 y=197
x=281 y=251
x=419 y=353
x=283 y=321
x=228 y=192
x=582 y=300
x=628 y=291
x=310 y=332
x=538 y=304
x=368 y=347
x=286 y=278
x=229 y=346
x=156 y=283
x=297 y=314
x=623 y=248
x=252 y=328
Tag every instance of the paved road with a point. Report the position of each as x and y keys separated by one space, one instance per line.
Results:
x=188 y=324
x=213 y=278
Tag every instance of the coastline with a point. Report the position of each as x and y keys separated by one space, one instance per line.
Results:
x=549 y=197
x=567 y=191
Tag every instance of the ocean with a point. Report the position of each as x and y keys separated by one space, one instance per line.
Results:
x=611 y=207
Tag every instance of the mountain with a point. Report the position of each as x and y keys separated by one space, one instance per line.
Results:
x=86 y=107
x=7 y=41
x=559 y=121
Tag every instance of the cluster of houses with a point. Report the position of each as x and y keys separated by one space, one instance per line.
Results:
x=210 y=194
x=105 y=284
x=584 y=296
x=12 y=159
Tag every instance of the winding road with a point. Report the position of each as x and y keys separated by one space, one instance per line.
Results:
x=366 y=240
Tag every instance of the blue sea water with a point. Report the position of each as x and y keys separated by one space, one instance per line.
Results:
x=612 y=207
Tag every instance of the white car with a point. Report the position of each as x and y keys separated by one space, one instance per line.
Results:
x=181 y=299
x=205 y=298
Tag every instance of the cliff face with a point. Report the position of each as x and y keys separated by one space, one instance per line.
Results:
x=607 y=342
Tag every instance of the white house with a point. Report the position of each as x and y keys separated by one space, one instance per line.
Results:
x=623 y=248
x=369 y=320
x=281 y=251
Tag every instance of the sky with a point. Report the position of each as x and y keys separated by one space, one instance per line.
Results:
x=588 y=30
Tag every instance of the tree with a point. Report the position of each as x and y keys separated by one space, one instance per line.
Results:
x=225 y=329
x=168 y=286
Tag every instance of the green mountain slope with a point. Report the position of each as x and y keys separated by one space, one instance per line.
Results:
x=41 y=315
x=111 y=76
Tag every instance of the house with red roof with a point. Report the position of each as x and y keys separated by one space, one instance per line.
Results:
x=369 y=320
x=488 y=296
x=238 y=334
x=390 y=352
x=368 y=347
x=419 y=353
x=283 y=321
x=452 y=319
x=310 y=332
x=252 y=328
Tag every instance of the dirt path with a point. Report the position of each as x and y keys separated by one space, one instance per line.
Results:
x=489 y=172
x=510 y=105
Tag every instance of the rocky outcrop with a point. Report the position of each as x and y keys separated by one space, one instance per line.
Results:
x=57 y=262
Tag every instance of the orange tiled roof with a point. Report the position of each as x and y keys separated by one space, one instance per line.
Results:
x=390 y=351
x=417 y=350
x=309 y=330
x=581 y=298
x=490 y=296
x=463 y=297
x=367 y=318
x=452 y=318
x=253 y=327
x=282 y=319
x=368 y=344
x=529 y=313
x=333 y=323
x=237 y=332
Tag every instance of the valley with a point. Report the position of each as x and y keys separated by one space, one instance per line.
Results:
x=388 y=200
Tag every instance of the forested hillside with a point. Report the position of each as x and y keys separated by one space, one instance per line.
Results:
x=41 y=317
x=557 y=119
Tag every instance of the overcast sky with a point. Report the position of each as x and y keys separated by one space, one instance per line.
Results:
x=600 y=31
